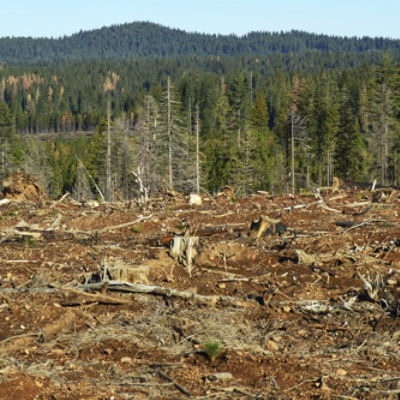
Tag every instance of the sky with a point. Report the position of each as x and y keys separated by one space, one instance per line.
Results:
x=54 y=18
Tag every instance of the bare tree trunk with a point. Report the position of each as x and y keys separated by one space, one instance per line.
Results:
x=320 y=171
x=169 y=129
x=251 y=89
x=239 y=131
x=327 y=167
x=395 y=166
x=292 y=137
x=197 y=152
x=247 y=162
x=108 y=161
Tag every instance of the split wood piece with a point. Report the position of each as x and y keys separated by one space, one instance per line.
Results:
x=268 y=225
x=59 y=201
x=120 y=226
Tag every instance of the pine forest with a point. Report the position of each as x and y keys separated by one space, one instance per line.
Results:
x=141 y=108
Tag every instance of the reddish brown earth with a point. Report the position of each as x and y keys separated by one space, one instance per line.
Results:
x=290 y=327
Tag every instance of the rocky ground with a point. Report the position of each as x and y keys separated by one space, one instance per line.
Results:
x=100 y=302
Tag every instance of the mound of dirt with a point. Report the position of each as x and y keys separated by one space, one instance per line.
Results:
x=21 y=186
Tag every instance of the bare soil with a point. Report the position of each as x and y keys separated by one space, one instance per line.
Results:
x=293 y=313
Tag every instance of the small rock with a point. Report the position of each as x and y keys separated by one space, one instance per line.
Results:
x=126 y=360
x=341 y=372
x=276 y=338
x=286 y=309
x=195 y=200
x=392 y=282
x=221 y=286
x=302 y=333
x=271 y=345
x=108 y=351
x=220 y=376
x=213 y=301
x=57 y=352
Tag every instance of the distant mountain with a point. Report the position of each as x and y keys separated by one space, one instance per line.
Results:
x=145 y=39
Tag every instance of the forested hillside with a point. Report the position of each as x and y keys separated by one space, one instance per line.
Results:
x=144 y=39
x=276 y=112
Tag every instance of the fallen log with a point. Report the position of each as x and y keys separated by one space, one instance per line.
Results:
x=120 y=226
x=125 y=287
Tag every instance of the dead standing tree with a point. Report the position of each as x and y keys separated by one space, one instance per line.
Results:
x=146 y=170
x=109 y=86
x=172 y=139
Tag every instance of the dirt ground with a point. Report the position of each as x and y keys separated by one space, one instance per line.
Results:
x=93 y=305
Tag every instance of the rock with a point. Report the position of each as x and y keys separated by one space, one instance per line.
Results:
x=195 y=200
x=271 y=345
x=221 y=376
x=341 y=372
x=302 y=333
x=286 y=309
x=57 y=352
x=221 y=286
x=276 y=338
x=126 y=360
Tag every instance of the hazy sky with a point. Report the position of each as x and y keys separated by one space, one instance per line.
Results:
x=336 y=17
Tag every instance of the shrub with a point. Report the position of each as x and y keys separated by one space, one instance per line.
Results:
x=212 y=349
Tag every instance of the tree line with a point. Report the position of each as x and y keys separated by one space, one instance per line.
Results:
x=145 y=39
x=201 y=130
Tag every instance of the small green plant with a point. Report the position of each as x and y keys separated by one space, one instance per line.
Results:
x=52 y=213
x=234 y=199
x=137 y=228
x=212 y=349
x=13 y=213
x=304 y=191
x=167 y=210
x=388 y=224
x=29 y=242
x=180 y=227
